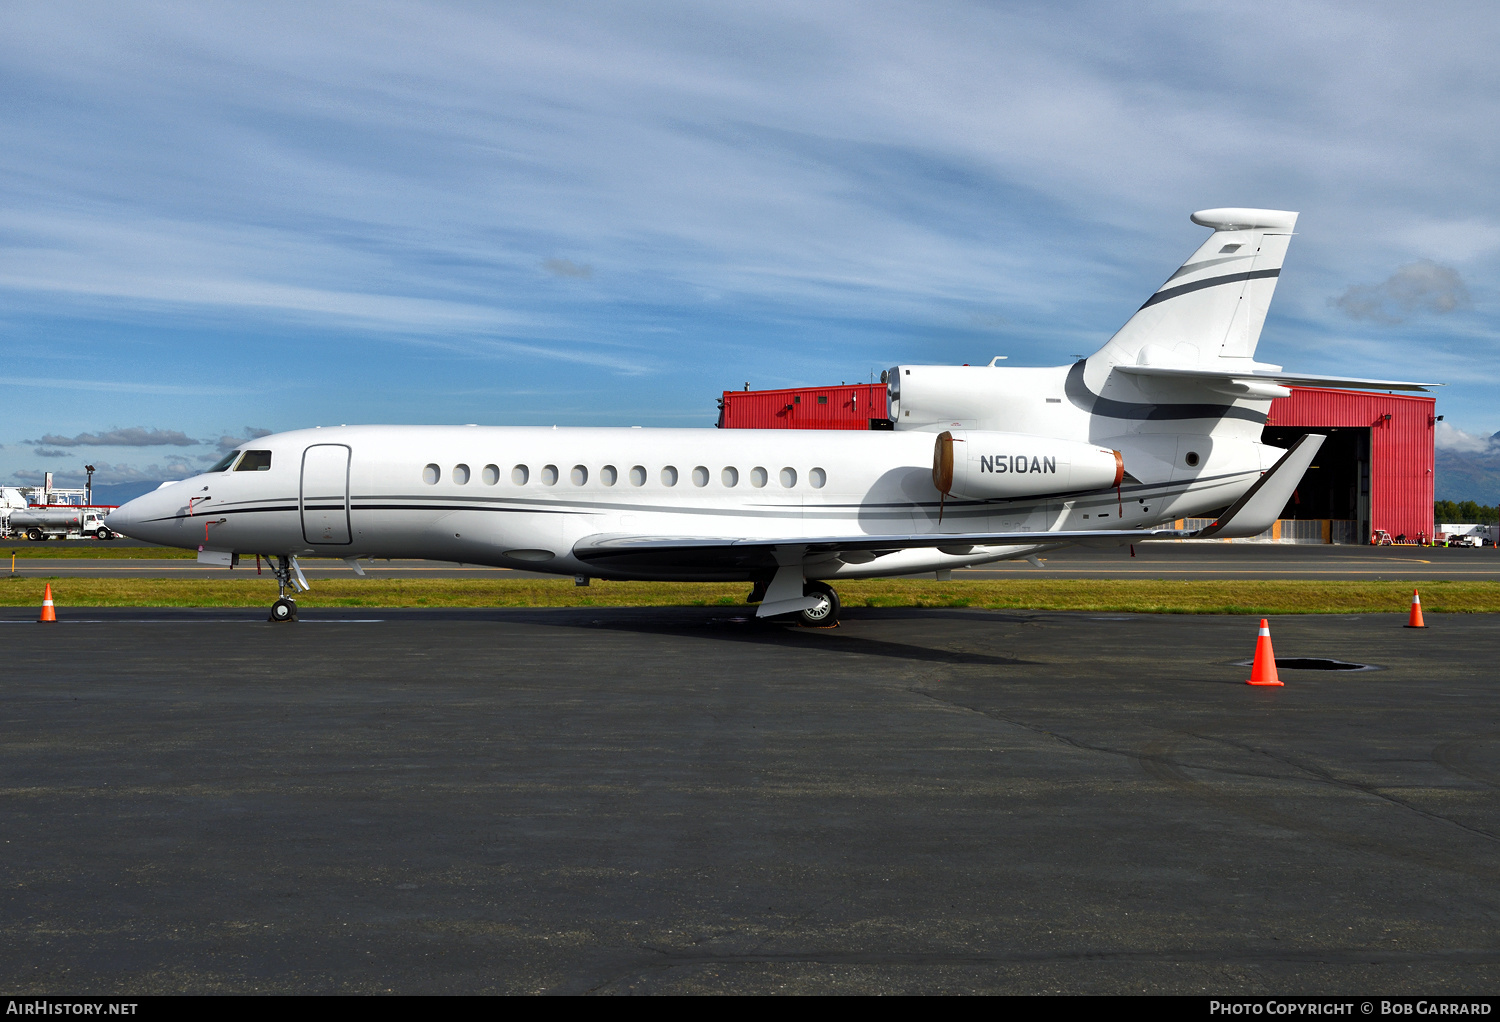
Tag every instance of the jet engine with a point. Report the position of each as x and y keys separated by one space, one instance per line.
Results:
x=985 y=465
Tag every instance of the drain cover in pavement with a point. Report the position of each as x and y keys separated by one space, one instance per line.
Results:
x=1311 y=663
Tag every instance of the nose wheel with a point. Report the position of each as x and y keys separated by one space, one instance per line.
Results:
x=288 y=580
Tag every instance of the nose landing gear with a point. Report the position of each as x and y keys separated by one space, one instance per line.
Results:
x=288 y=577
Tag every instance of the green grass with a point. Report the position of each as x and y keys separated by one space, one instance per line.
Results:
x=24 y=549
x=1140 y=596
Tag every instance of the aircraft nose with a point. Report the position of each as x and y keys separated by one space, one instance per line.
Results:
x=121 y=518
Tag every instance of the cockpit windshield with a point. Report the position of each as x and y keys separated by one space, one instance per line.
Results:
x=254 y=461
x=223 y=466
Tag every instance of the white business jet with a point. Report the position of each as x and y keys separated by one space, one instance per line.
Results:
x=985 y=463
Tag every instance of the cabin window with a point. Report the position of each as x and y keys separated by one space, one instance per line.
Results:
x=638 y=475
x=700 y=476
x=789 y=477
x=758 y=476
x=818 y=478
x=490 y=475
x=579 y=475
x=730 y=476
x=254 y=461
x=609 y=475
x=520 y=475
x=669 y=476
x=549 y=475
x=461 y=474
x=225 y=462
x=431 y=474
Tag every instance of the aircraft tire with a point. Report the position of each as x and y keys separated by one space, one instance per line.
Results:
x=283 y=610
x=826 y=613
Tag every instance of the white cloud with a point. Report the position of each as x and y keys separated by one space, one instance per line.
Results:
x=1458 y=240
x=1450 y=438
x=131 y=436
x=115 y=386
x=568 y=268
x=229 y=443
x=106 y=474
x=773 y=190
x=1423 y=286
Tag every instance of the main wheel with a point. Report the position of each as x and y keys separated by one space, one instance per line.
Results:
x=284 y=610
x=823 y=614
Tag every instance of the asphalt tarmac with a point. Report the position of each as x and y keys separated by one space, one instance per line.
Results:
x=1201 y=560
x=682 y=800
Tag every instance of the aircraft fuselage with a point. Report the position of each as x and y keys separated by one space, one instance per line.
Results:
x=522 y=497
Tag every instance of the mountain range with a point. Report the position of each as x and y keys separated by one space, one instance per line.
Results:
x=1468 y=475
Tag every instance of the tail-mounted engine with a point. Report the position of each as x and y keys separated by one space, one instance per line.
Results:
x=984 y=465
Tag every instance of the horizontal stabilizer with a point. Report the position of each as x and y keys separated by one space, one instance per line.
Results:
x=1261 y=505
x=1273 y=378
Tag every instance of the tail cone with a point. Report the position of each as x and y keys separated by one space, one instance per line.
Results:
x=49 y=612
x=1415 y=621
x=1264 y=670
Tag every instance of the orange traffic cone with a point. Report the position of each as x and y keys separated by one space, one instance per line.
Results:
x=49 y=613
x=1264 y=670
x=1415 y=621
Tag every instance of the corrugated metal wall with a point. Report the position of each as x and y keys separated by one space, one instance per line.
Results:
x=850 y=406
x=1401 y=451
x=1401 y=448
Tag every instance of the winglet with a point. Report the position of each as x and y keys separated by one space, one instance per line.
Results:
x=1254 y=513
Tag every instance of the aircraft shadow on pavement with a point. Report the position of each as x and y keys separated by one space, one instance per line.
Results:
x=726 y=623
x=741 y=626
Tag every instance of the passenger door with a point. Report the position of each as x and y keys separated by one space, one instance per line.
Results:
x=325 y=495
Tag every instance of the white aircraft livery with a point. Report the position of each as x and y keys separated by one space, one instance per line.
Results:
x=985 y=463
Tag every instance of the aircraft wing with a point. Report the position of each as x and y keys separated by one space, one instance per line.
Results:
x=704 y=551
x=1278 y=379
x=1250 y=516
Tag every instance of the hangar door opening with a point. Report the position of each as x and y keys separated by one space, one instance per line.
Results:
x=1336 y=487
x=325 y=494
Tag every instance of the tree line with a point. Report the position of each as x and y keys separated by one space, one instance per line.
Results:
x=1464 y=511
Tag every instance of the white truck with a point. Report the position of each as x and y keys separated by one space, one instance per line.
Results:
x=42 y=523
x=1467 y=534
x=11 y=501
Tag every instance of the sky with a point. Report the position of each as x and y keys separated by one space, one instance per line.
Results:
x=221 y=220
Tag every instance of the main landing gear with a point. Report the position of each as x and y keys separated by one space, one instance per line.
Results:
x=288 y=577
x=822 y=610
x=824 y=613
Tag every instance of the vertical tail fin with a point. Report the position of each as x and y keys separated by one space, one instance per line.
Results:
x=1214 y=306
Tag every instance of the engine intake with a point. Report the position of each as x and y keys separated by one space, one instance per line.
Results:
x=985 y=465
